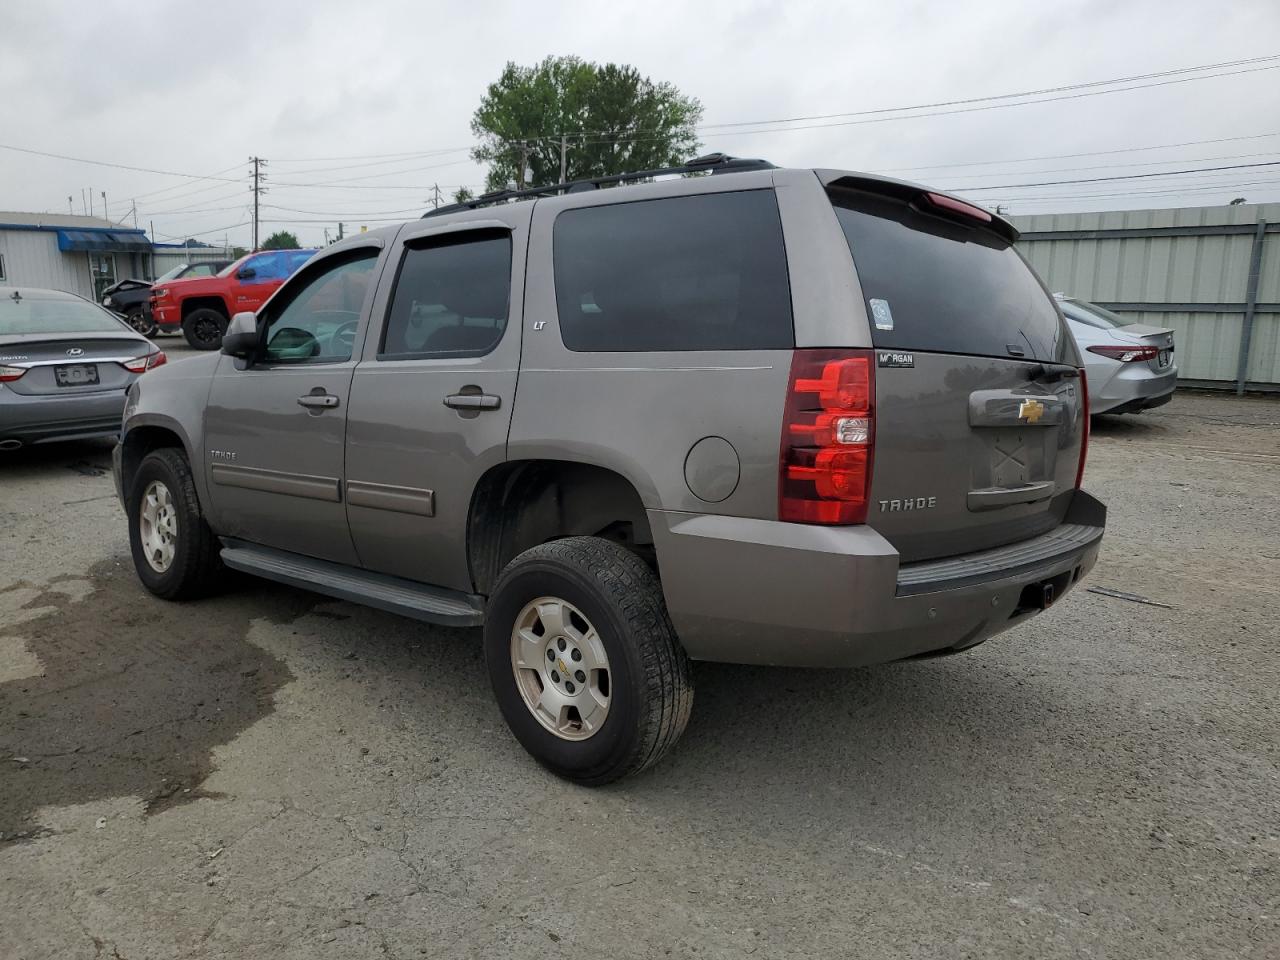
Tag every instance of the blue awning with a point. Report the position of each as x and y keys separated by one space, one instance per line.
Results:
x=104 y=241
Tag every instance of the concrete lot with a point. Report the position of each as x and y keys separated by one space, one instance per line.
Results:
x=272 y=774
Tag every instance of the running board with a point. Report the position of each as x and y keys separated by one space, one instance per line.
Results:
x=396 y=595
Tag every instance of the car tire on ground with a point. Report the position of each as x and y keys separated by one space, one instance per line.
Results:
x=204 y=328
x=175 y=553
x=143 y=324
x=584 y=661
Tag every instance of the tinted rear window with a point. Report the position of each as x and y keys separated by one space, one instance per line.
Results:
x=706 y=272
x=935 y=284
x=36 y=315
x=1093 y=315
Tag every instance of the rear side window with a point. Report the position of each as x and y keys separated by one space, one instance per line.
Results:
x=451 y=299
x=939 y=285
x=707 y=272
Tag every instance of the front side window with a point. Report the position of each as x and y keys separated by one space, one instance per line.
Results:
x=318 y=323
x=451 y=298
x=706 y=272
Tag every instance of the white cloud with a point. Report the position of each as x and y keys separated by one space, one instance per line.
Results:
x=200 y=87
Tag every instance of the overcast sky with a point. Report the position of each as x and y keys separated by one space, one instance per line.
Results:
x=197 y=87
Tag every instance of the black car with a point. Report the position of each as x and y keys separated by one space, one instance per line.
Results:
x=132 y=298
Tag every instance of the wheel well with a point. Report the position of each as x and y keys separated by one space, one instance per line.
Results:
x=138 y=442
x=520 y=505
x=200 y=303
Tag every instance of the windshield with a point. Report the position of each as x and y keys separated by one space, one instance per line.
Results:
x=1093 y=315
x=170 y=274
x=33 y=315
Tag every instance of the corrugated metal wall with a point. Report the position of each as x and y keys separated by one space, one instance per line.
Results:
x=1185 y=268
x=32 y=258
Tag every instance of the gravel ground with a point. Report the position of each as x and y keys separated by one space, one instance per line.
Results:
x=273 y=774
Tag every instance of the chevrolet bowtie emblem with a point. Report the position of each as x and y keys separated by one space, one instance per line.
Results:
x=1031 y=411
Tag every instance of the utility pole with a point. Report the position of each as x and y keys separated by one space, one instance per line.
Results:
x=135 y=213
x=435 y=196
x=564 y=148
x=84 y=207
x=71 y=207
x=105 y=215
x=340 y=234
x=258 y=190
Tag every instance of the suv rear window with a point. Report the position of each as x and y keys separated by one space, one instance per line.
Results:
x=935 y=284
x=706 y=272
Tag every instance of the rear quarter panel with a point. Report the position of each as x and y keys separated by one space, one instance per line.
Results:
x=641 y=413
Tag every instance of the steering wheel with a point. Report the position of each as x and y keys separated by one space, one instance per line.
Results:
x=344 y=337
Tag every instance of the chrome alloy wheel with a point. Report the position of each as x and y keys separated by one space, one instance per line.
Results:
x=158 y=526
x=561 y=668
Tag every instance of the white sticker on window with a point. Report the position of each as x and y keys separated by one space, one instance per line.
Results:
x=881 y=314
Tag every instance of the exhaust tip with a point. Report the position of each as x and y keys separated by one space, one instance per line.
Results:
x=10 y=444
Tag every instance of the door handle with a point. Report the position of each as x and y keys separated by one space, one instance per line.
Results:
x=322 y=400
x=473 y=401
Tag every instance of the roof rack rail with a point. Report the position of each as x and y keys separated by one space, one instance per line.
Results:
x=713 y=162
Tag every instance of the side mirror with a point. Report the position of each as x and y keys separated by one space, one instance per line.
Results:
x=241 y=338
x=246 y=273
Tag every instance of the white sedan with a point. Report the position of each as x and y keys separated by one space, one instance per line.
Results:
x=1130 y=365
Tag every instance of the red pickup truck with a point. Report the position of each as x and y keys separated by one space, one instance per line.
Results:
x=203 y=306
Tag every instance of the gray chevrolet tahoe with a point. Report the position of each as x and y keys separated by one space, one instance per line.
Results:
x=744 y=414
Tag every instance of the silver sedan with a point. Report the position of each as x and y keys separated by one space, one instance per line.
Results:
x=1129 y=365
x=65 y=367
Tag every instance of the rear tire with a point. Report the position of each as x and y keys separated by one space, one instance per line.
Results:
x=619 y=600
x=204 y=328
x=175 y=553
x=143 y=324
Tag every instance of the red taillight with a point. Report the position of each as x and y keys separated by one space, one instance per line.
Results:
x=148 y=362
x=1126 y=354
x=828 y=436
x=1084 y=427
x=958 y=206
x=9 y=374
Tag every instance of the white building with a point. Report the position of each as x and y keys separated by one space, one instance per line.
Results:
x=60 y=251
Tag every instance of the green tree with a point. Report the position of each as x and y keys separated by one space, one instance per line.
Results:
x=614 y=120
x=281 y=240
x=462 y=195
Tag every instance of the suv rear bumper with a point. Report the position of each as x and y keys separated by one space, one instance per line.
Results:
x=766 y=592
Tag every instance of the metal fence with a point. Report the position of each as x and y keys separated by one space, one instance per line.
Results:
x=166 y=256
x=1210 y=273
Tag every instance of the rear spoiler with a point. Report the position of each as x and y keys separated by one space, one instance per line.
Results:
x=921 y=197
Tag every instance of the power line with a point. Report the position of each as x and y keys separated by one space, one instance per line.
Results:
x=380 y=163
x=371 y=156
x=105 y=163
x=941 y=113
x=370 y=176
x=1128 y=176
x=1010 y=96
x=1072 y=156
x=191 y=180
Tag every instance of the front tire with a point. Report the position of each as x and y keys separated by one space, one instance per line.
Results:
x=584 y=661
x=143 y=324
x=175 y=553
x=204 y=328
